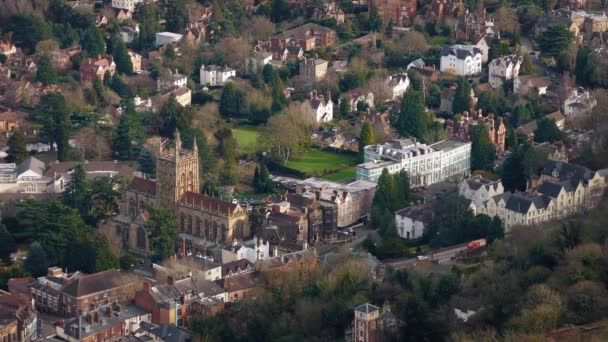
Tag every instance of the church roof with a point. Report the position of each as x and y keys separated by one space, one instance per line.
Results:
x=143 y=185
x=203 y=201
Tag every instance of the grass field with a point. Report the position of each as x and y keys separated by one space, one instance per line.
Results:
x=439 y=40
x=346 y=173
x=247 y=138
x=317 y=162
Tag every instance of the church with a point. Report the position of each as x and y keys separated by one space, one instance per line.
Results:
x=202 y=220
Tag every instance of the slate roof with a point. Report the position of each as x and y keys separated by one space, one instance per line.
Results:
x=97 y=282
x=31 y=163
x=420 y=213
x=477 y=183
x=521 y=203
x=304 y=31
x=239 y=282
x=235 y=267
x=199 y=200
x=460 y=51
x=567 y=171
x=553 y=189
x=166 y=332
x=367 y=308
x=58 y=168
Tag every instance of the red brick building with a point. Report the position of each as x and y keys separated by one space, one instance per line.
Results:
x=307 y=36
x=91 y=69
x=401 y=12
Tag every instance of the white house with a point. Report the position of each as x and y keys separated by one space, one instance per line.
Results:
x=26 y=177
x=164 y=38
x=398 y=83
x=360 y=95
x=579 y=102
x=7 y=48
x=214 y=75
x=171 y=81
x=482 y=44
x=256 y=62
x=523 y=85
x=479 y=189
x=253 y=250
x=411 y=221
x=425 y=164
x=128 y=5
x=503 y=69
x=318 y=108
x=461 y=60
x=129 y=34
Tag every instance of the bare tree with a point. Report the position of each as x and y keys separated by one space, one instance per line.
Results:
x=410 y=42
x=91 y=145
x=506 y=19
x=234 y=51
x=258 y=28
x=378 y=85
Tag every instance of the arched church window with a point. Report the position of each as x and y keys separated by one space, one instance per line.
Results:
x=132 y=208
x=190 y=181
x=198 y=227
x=141 y=238
x=189 y=224
x=182 y=222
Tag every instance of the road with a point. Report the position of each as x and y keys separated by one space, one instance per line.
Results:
x=441 y=256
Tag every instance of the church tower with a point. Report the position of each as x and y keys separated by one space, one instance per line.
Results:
x=177 y=171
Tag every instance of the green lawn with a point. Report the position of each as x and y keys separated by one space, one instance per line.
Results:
x=343 y=174
x=317 y=162
x=247 y=138
x=439 y=40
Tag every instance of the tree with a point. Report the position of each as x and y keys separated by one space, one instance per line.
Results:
x=366 y=137
x=511 y=138
x=27 y=30
x=121 y=139
x=483 y=151
x=37 y=261
x=375 y=22
x=526 y=65
x=76 y=191
x=520 y=166
x=17 y=151
x=174 y=117
x=93 y=41
x=7 y=243
x=162 y=228
x=266 y=184
x=229 y=175
x=148 y=15
x=547 y=130
x=393 y=193
x=176 y=15
x=268 y=73
x=279 y=10
x=46 y=74
x=234 y=51
x=104 y=197
x=584 y=67
x=462 y=97
x=278 y=98
x=555 y=40
x=230 y=101
x=146 y=162
x=53 y=113
x=121 y=55
x=412 y=117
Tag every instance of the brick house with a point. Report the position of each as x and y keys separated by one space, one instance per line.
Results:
x=307 y=36
x=90 y=69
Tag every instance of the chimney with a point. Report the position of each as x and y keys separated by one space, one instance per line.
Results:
x=109 y=311
x=96 y=316
x=171 y=280
x=90 y=318
x=146 y=286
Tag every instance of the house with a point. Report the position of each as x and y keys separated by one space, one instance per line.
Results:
x=517 y=208
x=461 y=60
x=308 y=37
x=7 y=48
x=462 y=129
x=399 y=12
x=128 y=5
x=136 y=60
x=26 y=177
x=313 y=69
x=425 y=164
x=160 y=333
x=527 y=130
x=101 y=20
x=411 y=221
x=417 y=63
x=72 y=295
x=195 y=33
x=11 y=120
x=503 y=69
x=129 y=34
x=111 y=322
x=371 y=323
x=256 y=62
x=61 y=172
x=214 y=75
x=123 y=15
x=183 y=96
x=19 y=320
x=479 y=189
x=596 y=23
x=578 y=103
x=239 y=286
x=60 y=59
x=317 y=108
x=398 y=83
x=91 y=69
x=523 y=85
x=551 y=151
x=164 y=38
x=360 y=95
x=252 y=250
x=483 y=45
x=171 y=80
x=236 y=267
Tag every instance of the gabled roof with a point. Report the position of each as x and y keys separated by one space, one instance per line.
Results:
x=143 y=185
x=367 y=308
x=420 y=213
x=460 y=51
x=239 y=282
x=567 y=171
x=235 y=267
x=32 y=164
x=97 y=282
x=59 y=168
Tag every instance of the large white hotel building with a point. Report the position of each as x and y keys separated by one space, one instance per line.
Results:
x=425 y=164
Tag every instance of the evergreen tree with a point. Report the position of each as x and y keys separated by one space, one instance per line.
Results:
x=547 y=130
x=526 y=65
x=76 y=193
x=584 y=66
x=265 y=181
x=483 y=151
x=120 y=87
x=177 y=15
x=462 y=98
x=121 y=56
x=393 y=193
x=279 y=10
x=268 y=73
x=344 y=106
x=230 y=175
x=46 y=73
x=555 y=40
x=230 y=101
x=412 y=120
x=278 y=98
x=375 y=22
x=121 y=139
x=389 y=28
x=366 y=137
x=163 y=231
x=256 y=180
x=148 y=16
x=53 y=113
x=105 y=259
x=174 y=117
x=7 y=243
x=17 y=151
x=511 y=138
x=37 y=261
x=519 y=167
x=146 y=162
x=93 y=41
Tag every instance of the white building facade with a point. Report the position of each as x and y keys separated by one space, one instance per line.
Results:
x=214 y=75
x=425 y=165
x=411 y=221
x=398 y=83
x=128 y=5
x=461 y=60
x=503 y=69
x=318 y=108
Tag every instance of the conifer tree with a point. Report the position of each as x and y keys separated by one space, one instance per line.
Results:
x=366 y=137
